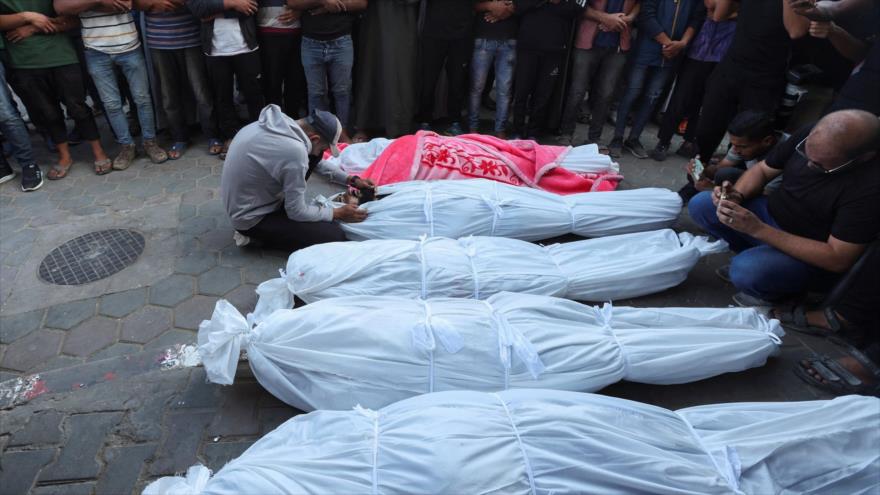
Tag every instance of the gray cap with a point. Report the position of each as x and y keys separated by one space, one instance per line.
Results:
x=328 y=127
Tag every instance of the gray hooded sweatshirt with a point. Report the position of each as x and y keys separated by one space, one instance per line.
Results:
x=266 y=166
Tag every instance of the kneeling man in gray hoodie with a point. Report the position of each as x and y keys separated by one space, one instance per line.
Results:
x=264 y=181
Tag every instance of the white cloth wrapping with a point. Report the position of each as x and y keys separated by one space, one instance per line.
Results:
x=601 y=269
x=459 y=208
x=549 y=441
x=342 y=352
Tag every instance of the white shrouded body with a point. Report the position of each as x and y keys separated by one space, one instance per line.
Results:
x=459 y=208
x=547 y=441
x=376 y=350
x=600 y=269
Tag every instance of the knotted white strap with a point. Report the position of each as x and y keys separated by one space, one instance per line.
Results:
x=425 y=338
x=497 y=211
x=548 y=250
x=424 y=262
x=471 y=252
x=428 y=208
x=604 y=315
x=221 y=340
x=732 y=466
x=519 y=442
x=511 y=340
x=570 y=204
x=374 y=416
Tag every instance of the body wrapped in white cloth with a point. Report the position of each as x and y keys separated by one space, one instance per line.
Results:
x=459 y=208
x=600 y=269
x=548 y=441
x=376 y=350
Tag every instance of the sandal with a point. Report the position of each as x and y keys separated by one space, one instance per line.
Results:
x=215 y=146
x=838 y=380
x=796 y=320
x=176 y=150
x=103 y=167
x=58 y=171
x=225 y=149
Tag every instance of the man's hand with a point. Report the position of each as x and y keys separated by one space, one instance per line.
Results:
x=702 y=183
x=738 y=218
x=809 y=9
x=614 y=22
x=289 y=16
x=246 y=7
x=358 y=183
x=21 y=33
x=329 y=7
x=672 y=49
x=166 y=5
x=41 y=22
x=349 y=213
x=498 y=11
x=115 y=6
x=822 y=29
x=726 y=192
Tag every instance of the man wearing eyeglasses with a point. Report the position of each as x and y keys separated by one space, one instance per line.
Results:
x=811 y=229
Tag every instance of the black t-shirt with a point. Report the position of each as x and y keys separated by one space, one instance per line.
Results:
x=845 y=204
x=449 y=19
x=760 y=43
x=546 y=26
x=325 y=27
x=503 y=30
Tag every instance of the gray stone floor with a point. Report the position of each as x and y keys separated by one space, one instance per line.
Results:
x=99 y=416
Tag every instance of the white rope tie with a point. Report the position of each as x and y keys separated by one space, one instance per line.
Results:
x=424 y=262
x=510 y=340
x=497 y=211
x=548 y=250
x=471 y=252
x=426 y=335
x=733 y=464
x=605 y=314
x=519 y=442
x=570 y=207
x=428 y=208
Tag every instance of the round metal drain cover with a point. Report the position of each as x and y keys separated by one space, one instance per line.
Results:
x=92 y=257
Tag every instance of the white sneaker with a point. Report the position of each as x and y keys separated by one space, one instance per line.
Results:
x=240 y=239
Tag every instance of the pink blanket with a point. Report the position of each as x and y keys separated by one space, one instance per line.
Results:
x=429 y=156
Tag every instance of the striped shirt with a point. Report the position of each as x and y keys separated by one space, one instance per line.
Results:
x=172 y=30
x=109 y=33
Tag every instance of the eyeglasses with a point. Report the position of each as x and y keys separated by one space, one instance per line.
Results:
x=801 y=150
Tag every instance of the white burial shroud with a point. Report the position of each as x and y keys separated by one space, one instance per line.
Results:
x=528 y=442
x=377 y=350
x=459 y=208
x=600 y=269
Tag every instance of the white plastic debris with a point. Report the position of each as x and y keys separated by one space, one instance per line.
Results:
x=376 y=350
x=548 y=441
x=459 y=208
x=601 y=269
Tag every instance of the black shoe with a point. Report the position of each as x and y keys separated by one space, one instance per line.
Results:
x=31 y=178
x=6 y=172
x=687 y=192
x=615 y=147
x=635 y=147
x=660 y=152
x=687 y=150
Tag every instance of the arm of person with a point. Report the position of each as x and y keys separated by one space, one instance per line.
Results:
x=852 y=48
x=797 y=25
x=633 y=14
x=9 y=22
x=305 y=4
x=209 y=8
x=333 y=172
x=75 y=7
x=65 y=23
x=650 y=25
x=724 y=9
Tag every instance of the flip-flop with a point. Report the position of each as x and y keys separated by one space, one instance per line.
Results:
x=838 y=379
x=177 y=148
x=103 y=167
x=215 y=146
x=58 y=172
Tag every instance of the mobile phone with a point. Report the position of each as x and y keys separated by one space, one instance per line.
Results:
x=698 y=169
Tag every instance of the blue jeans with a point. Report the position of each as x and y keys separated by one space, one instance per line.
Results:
x=647 y=80
x=12 y=126
x=759 y=270
x=503 y=53
x=134 y=68
x=329 y=59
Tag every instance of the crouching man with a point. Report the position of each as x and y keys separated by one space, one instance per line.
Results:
x=264 y=181
x=815 y=226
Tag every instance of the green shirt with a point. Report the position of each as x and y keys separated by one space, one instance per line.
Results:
x=39 y=51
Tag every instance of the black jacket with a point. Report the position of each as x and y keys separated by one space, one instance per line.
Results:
x=208 y=8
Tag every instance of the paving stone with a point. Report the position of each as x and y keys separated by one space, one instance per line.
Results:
x=43 y=428
x=197 y=225
x=195 y=197
x=218 y=454
x=68 y=315
x=171 y=290
x=145 y=324
x=213 y=208
x=59 y=362
x=186 y=211
x=124 y=466
x=184 y=431
x=65 y=489
x=274 y=417
x=216 y=239
x=190 y=314
x=172 y=338
x=17 y=258
x=86 y=435
x=212 y=181
x=181 y=185
x=90 y=336
x=115 y=350
x=219 y=280
x=238 y=416
x=121 y=304
x=29 y=351
x=21 y=468
x=262 y=270
x=195 y=263
x=244 y=298
x=13 y=327
x=199 y=393
x=238 y=257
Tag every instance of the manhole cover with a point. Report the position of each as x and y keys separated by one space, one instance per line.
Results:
x=92 y=257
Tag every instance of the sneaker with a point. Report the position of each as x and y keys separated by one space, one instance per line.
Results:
x=455 y=129
x=687 y=150
x=565 y=139
x=6 y=172
x=240 y=239
x=615 y=147
x=660 y=151
x=155 y=152
x=635 y=147
x=687 y=192
x=724 y=273
x=31 y=178
x=747 y=301
x=125 y=157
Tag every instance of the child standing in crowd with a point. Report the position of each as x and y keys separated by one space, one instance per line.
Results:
x=667 y=27
x=280 y=36
x=603 y=40
x=495 y=42
x=112 y=40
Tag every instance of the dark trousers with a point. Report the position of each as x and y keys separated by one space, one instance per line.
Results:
x=178 y=70
x=535 y=77
x=598 y=71
x=728 y=92
x=284 y=82
x=455 y=54
x=276 y=231
x=223 y=72
x=687 y=97
x=42 y=89
x=860 y=304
